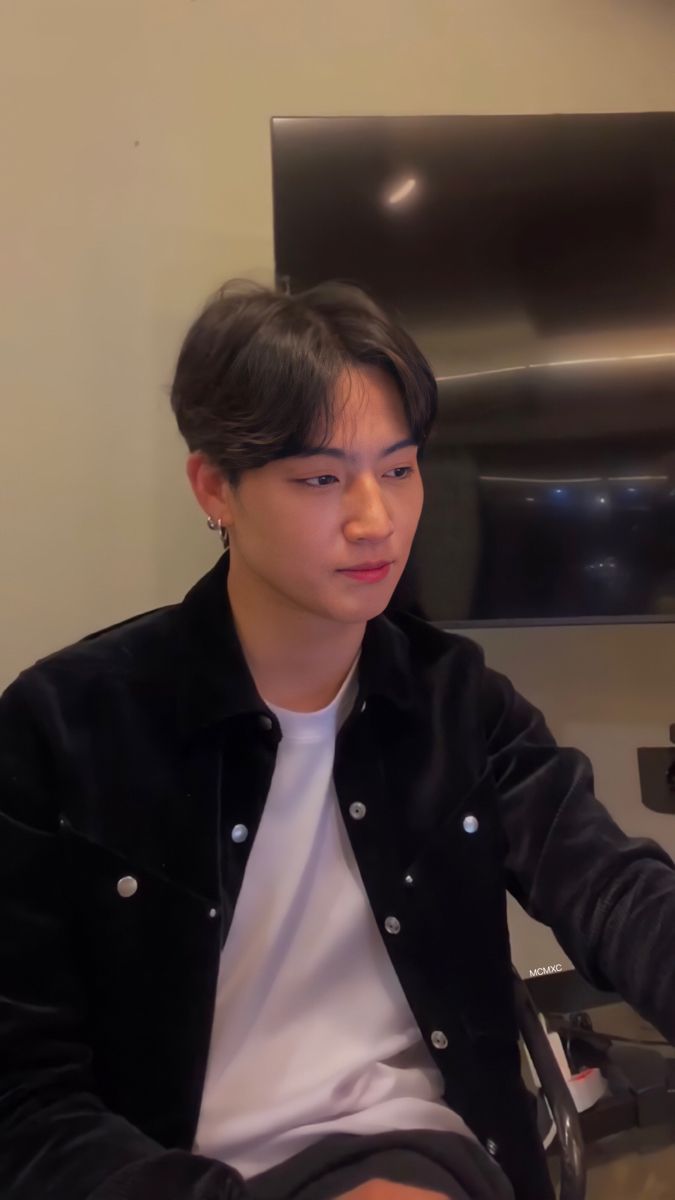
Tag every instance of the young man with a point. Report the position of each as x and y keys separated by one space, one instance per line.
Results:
x=254 y=846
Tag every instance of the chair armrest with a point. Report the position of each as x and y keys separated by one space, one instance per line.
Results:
x=558 y=1095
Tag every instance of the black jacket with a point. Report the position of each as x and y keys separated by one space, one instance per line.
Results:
x=135 y=752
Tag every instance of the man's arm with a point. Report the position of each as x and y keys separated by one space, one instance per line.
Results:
x=609 y=899
x=56 y=1136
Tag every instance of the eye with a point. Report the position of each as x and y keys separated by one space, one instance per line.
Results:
x=323 y=481
x=319 y=481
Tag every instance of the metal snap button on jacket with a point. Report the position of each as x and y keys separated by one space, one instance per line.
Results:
x=392 y=925
x=266 y=722
x=127 y=886
x=239 y=833
x=470 y=824
x=357 y=810
x=439 y=1040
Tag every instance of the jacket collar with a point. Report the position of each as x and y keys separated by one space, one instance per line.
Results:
x=215 y=682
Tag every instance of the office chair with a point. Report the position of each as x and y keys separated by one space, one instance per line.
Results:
x=557 y=1094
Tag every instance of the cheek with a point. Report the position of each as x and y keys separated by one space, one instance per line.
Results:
x=412 y=509
x=299 y=532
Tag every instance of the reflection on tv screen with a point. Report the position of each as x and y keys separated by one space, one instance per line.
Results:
x=533 y=259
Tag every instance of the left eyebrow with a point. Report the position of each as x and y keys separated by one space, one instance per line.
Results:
x=333 y=452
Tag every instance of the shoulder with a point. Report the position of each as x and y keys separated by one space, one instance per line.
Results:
x=428 y=645
x=451 y=665
x=99 y=661
x=81 y=711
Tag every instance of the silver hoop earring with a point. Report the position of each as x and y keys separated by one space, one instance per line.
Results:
x=220 y=528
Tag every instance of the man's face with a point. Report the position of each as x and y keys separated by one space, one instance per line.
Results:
x=297 y=524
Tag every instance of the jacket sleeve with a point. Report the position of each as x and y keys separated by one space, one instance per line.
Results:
x=609 y=899
x=57 y=1138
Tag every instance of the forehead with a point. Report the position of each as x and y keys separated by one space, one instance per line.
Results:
x=368 y=405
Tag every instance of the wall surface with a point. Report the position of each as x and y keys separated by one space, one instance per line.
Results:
x=136 y=177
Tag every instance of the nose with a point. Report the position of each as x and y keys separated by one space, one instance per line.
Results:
x=368 y=518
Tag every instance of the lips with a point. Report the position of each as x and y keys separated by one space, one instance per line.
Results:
x=369 y=566
x=369 y=574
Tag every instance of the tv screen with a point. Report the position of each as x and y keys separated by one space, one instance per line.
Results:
x=533 y=259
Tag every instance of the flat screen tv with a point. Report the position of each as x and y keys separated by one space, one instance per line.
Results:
x=533 y=259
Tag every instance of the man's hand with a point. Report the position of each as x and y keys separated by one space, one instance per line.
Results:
x=384 y=1189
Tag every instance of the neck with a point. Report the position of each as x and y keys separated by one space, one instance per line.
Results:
x=298 y=661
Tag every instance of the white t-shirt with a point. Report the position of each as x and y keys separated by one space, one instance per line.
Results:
x=312 y=1033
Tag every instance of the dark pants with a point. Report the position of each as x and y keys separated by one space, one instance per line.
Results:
x=447 y=1163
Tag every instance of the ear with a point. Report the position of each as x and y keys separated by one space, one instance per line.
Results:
x=212 y=492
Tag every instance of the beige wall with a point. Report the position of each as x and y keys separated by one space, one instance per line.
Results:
x=136 y=175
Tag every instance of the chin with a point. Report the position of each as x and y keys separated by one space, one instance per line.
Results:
x=364 y=609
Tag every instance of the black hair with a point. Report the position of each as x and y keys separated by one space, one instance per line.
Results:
x=256 y=375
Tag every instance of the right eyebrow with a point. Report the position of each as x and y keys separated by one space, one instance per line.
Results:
x=335 y=452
